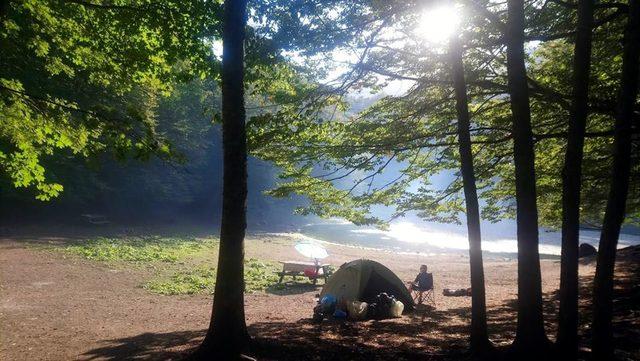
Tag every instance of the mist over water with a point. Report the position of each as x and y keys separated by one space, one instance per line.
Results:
x=410 y=235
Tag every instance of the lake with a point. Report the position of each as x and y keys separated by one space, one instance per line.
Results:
x=411 y=235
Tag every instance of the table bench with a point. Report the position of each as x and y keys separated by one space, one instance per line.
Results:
x=297 y=268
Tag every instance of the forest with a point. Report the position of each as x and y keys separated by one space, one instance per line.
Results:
x=160 y=160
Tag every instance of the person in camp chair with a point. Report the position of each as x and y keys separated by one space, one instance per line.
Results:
x=423 y=283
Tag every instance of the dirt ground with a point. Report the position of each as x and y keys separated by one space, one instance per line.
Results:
x=58 y=307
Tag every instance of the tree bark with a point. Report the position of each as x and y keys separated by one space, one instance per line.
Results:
x=227 y=334
x=4 y=9
x=615 y=211
x=572 y=174
x=530 y=336
x=479 y=335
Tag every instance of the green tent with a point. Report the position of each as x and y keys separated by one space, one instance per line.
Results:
x=363 y=280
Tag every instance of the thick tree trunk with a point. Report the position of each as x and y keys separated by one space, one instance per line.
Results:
x=4 y=8
x=572 y=174
x=530 y=337
x=227 y=334
x=479 y=335
x=616 y=203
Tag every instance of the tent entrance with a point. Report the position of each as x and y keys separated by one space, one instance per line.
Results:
x=378 y=284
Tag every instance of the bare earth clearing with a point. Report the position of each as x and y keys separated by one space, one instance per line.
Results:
x=56 y=306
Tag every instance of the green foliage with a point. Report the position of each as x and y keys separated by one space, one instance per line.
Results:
x=135 y=78
x=198 y=280
x=35 y=135
x=259 y=275
x=85 y=77
x=339 y=159
x=141 y=249
x=182 y=265
x=80 y=78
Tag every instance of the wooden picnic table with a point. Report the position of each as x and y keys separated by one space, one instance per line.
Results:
x=297 y=268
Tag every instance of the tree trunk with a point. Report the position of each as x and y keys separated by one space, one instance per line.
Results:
x=4 y=9
x=4 y=5
x=227 y=334
x=479 y=336
x=530 y=336
x=572 y=174
x=615 y=211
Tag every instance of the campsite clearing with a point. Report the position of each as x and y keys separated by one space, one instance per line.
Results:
x=56 y=305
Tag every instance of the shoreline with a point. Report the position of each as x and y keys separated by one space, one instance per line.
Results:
x=345 y=232
x=413 y=236
x=505 y=256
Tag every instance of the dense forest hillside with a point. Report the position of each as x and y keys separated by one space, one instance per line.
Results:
x=185 y=186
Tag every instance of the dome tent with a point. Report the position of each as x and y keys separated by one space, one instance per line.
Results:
x=363 y=280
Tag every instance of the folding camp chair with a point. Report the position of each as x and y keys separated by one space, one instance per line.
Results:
x=420 y=296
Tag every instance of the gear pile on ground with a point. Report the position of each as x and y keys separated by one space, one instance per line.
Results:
x=381 y=308
x=384 y=306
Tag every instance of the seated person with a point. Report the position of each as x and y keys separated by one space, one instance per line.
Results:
x=423 y=281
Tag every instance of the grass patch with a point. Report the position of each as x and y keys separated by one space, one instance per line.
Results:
x=140 y=249
x=258 y=274
x=199 y=280
x=186 y=269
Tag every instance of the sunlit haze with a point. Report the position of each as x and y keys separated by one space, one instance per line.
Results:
x=438 y=24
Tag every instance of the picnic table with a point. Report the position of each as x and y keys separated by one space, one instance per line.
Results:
x=297 y=268
x=97 y=219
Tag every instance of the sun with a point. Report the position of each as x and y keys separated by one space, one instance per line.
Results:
x=436 y=25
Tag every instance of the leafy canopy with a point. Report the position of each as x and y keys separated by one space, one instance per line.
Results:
x=81 y=77
x=349 y=162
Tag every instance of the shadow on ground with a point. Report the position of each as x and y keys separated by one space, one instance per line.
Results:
x=424 y=334
x=147 y=346
x=293 y=288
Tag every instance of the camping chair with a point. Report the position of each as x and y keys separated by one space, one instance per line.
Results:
x=420 y=296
